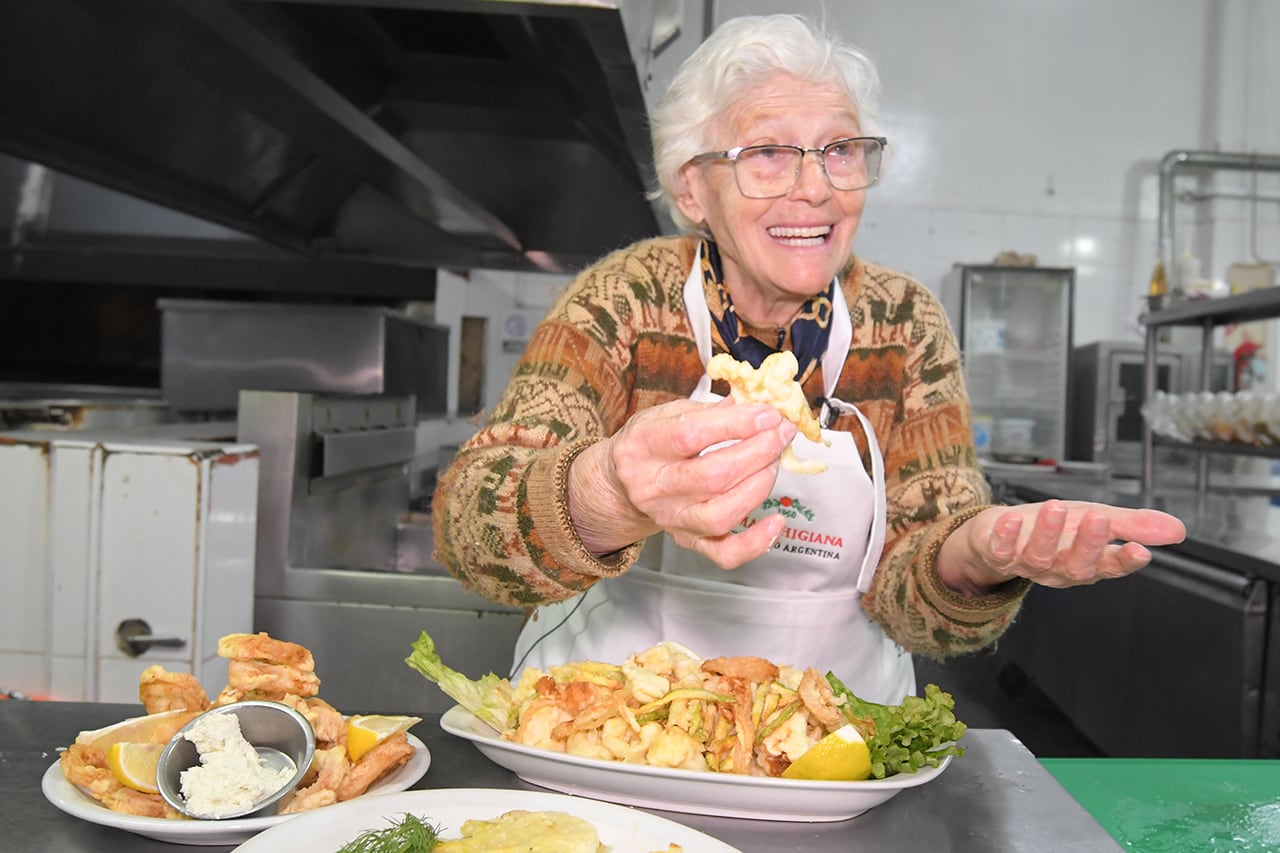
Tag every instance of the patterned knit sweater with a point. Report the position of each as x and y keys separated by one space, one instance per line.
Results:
x=618 y=341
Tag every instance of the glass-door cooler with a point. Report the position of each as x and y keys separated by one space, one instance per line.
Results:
x=1014 y=330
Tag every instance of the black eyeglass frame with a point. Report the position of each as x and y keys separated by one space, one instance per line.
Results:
x=732 y=155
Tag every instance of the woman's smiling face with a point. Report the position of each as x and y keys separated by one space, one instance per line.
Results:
x=777 y=252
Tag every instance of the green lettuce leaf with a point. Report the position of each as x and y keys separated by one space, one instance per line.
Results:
x=903 y=738
x=490 y=698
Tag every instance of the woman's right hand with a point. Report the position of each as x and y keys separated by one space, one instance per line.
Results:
x=653 y=475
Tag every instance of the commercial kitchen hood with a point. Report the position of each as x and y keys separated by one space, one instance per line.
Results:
x=407 y=133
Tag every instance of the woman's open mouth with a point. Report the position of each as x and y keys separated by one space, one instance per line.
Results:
x=815 y=235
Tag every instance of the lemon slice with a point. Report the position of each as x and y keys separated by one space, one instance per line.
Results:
x=134 y=764
x=840 y=756
x=137 y=729
x=365 y=731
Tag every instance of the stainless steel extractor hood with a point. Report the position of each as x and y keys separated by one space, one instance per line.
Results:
x=411 y=133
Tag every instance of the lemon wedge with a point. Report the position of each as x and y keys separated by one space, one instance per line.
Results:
x=134 y=764
x=840 y=756
x=365 y=731
x=152 y=727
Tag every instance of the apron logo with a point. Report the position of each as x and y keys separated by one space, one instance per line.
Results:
x=790 y=507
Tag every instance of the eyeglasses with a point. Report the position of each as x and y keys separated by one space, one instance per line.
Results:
x=770 y=171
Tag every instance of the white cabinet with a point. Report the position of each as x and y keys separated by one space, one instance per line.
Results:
x=103 y=531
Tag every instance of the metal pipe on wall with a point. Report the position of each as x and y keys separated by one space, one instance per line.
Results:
x=1179 y=160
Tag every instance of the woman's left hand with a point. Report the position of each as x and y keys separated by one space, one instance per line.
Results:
x=1055 y=543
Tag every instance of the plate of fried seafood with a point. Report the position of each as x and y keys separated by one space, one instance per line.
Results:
x=479 y=819
x=93 y=782
x=688 y=791
x=725 y=736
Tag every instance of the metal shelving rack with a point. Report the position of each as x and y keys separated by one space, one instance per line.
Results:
x=1208 y=314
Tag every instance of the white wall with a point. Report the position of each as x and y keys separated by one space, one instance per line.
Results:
x=1037 y=126
x=513 y=303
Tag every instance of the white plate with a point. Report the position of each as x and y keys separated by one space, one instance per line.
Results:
x=621 y=829
x=73 y=801
x=720 y=794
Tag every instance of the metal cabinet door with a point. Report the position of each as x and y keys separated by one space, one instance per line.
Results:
x=1167 y=662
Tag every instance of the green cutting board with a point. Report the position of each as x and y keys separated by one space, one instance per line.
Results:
x=1161 y=805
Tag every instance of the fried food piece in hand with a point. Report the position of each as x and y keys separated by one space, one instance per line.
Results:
x=263 y=647
x=773 y=383
x=162 y=690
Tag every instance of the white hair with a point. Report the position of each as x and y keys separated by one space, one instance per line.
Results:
x=740 y=54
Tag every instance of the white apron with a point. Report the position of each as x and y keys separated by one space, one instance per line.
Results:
x=800 y=603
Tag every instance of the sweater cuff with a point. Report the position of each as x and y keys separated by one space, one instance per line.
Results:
x=549 y=508
x=956 y=606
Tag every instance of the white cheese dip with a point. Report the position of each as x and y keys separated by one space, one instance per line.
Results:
x=230 y=776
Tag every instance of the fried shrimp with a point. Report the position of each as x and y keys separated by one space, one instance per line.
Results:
x=816 y=694
x=162 y=690
x=327 y=721
x=263 y=647
x=331 y=766
x=748 y=667
x=129 y=801
x=259 y=667
x=86 y=767
x=273 y=679
x=374 y=764
x=744 y=715
x=773 y=383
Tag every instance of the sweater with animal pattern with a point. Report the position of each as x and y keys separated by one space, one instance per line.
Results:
x=617 y=341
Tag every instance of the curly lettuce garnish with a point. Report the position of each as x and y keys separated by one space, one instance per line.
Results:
x=903 y=738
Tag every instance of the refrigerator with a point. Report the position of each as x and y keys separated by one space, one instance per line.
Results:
x=1013 y=325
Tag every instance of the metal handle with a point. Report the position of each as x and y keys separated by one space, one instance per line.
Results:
x=133 y=637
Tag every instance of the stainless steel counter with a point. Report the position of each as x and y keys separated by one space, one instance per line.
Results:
x=996 y=797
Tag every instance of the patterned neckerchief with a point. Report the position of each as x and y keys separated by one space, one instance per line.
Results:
x=810 y=328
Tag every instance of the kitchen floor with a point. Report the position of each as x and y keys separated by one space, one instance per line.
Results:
x=989 y=695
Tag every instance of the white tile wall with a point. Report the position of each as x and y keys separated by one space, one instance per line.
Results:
x=1039 y=127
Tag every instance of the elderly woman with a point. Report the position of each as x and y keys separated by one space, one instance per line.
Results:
x=618 y=493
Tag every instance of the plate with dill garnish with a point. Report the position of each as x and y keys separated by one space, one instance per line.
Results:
x=459 y=820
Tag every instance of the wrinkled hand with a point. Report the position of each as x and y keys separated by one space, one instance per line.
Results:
x=653 y=475
x=1055 y=543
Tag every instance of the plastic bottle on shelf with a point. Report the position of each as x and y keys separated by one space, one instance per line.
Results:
x=1188 y=272
x=1159 y=280
x=1158 y=289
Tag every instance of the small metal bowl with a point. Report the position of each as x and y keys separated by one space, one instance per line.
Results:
x=283 y=738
